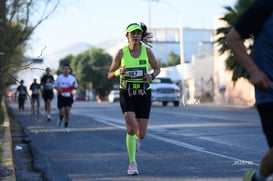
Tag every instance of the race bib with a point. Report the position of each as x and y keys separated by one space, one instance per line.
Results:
x=134 y=73
x=66 y=94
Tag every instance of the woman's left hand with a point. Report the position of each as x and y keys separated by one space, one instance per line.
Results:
x=148 y=77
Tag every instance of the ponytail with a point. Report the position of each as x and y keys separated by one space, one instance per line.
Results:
x=146 y=36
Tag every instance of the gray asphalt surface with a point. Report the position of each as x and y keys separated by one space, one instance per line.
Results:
x=95 y=149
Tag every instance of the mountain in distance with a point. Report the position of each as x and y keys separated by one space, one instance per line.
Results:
x=52 y=60
x=111 y=46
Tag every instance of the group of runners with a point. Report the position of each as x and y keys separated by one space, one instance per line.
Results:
x=64 y=84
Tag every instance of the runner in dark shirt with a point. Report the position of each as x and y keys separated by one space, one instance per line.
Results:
x=47 y=82
x=257 y=22
x=22 y=94
x=35 y=96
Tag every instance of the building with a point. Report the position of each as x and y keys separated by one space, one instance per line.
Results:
x=195 y=42
x=198 y=63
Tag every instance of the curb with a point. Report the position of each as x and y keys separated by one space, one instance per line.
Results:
x=7 y=157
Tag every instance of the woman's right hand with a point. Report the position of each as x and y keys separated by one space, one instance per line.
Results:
x=122 y=70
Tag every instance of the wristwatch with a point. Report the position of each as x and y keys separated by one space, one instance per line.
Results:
x=153 y=77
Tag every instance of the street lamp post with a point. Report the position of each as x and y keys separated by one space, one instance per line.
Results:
x=180 y=31
x=181 y=45
x=149 y=12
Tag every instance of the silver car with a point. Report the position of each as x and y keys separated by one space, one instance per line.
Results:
x=164 y=90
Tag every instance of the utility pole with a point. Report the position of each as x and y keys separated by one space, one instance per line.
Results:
x=181 y=44
x=149 y=13
x=180 y=26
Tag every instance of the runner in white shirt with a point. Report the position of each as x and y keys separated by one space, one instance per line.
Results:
x=65 y=84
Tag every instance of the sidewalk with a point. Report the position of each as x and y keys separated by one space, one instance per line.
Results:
x=7 y=157
x=18 y=154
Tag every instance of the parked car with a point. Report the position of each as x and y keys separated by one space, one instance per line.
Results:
x=113 y=96
x=164 y=90
x=11 y=92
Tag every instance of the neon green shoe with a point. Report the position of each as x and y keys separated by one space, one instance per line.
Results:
x=249 y=175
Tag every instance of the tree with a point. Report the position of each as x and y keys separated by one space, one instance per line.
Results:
x=174 y=59
x=82 y=66
x=230 y=18
x=66 y=60
x=90 y=68
x=16 y=28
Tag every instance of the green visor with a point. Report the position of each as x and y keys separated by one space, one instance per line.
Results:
x=133 y=27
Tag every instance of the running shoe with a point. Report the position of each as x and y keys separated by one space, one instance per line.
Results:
x=132 y=169
x=59 y=122
x=66 y=130
x=138 y=144
x=48 y=117
x=249 y=175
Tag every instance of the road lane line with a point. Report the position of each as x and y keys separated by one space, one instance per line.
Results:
x=113 y=122
x=196 y=115
x=197 y=148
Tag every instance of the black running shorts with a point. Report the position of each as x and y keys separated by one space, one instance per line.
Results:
x=139 y=104
x=265 y=110
x=48 y=95
x=64 y=101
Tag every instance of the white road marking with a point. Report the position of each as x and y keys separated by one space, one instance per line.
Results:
x=113 y=122
x=201 y=116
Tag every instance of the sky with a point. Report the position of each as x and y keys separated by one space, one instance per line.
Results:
x=96 y=21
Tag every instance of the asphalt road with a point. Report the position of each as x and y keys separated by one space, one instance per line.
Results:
x=194 y=143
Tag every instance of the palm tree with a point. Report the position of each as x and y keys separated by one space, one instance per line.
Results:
x=230 y=18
